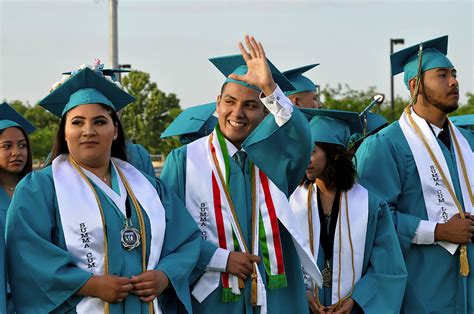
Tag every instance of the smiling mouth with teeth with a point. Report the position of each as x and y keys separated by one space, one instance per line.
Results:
x=236 y=124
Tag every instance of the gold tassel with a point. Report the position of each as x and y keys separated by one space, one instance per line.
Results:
x=418 y=76
x=464 y=262
x=241 y=284
x=254 y=288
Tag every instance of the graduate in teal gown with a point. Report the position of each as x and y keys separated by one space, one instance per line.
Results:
x=365 y=224
x=395 y=163
x=90 y=233
x=306 y=94
x=15 y=163
x=137 y=155
x=279 y=145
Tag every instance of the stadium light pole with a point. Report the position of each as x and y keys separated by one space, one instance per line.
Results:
x=113 y=34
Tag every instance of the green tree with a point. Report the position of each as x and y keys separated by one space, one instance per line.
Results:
x=152 y=111
x=347 y=98
x=467 y=108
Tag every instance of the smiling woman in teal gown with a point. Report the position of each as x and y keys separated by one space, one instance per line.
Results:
x=91 y=233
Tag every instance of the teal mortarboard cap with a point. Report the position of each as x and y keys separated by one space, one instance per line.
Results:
x=463 y=121
x=235 y=64
x=300 y=82
x=85 y=87
x=193 y=123
x=332 y=126
x=9 y=117
x=372 y=122
x=375 y=122
x=433 y=57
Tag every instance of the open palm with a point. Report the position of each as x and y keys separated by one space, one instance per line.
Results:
x=258 y=73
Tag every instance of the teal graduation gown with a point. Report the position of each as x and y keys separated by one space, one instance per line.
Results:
x=282 y=153
x=4 y=203
x=42 y=275
x=382 y=284
x=139 y=157
x=386 y=165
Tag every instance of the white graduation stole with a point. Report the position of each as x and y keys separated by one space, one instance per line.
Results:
x=200 y=171
x=358 y=208
x=82 y=223
x=440 y=206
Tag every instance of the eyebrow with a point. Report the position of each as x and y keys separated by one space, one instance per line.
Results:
x=446 y=70
x=244 y=101
x=251 y=101
x=229 y=96
x=94 y=118
x=11 y=142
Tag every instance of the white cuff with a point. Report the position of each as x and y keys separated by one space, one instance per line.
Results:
x=425 y=232
x=218 y=261
x=279 y=106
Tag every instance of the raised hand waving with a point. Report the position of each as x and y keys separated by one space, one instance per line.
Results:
x=258 y=73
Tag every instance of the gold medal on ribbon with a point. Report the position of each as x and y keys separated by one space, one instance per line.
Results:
x=130 y=237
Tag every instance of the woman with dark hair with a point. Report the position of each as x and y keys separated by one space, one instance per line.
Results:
x=15 y=163
x=14 y=126
x=90 y=233
x=349 y=229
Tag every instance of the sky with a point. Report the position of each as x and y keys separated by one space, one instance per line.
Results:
x=173 y=39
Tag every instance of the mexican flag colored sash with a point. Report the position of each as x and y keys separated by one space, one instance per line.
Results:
x=83 y=224
x=349 y=238
x=439 y=201
x=207 y=199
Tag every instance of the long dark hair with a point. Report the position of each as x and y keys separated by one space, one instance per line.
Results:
x=29 y=159
x=118 y=149
x=340 y=172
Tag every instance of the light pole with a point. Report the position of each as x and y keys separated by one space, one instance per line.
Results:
x=113 y=34
x=392 y=100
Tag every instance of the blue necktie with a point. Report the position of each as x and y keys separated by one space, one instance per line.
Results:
x=239 y=158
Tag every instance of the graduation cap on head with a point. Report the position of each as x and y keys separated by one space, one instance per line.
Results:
x=85 y=87
x=463 y=121
x=332 y=126
x=193 y=123
x=9 y=117
x=235 y=64
x=372 y=122
x=433 y=56
x=375 y=122
x=107 y=72
x=300 y=82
